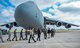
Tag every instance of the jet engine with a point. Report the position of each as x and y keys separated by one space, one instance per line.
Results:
x=15 y=24
x=7 y=25
x=58 y=24
x=67 y=26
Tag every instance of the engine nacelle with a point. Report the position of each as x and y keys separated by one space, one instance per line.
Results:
x=58 y=24
x=67 y=26
x=7 y=25
x=15 y=24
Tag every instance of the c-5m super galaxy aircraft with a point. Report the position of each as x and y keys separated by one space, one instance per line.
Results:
x=28 y=15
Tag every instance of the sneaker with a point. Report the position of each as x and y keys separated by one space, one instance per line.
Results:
x=28 y=42
x=2 y=41
x=34 y=41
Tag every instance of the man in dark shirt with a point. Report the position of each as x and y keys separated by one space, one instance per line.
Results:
x=49 y=31
x=52 y=32
x=38 y=34
x=45 y=33
x=21 y=35
x=1 y=35
x=26 y=35
x=15 y=36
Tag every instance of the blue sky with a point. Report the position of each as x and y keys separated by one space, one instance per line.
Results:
x=65 y=10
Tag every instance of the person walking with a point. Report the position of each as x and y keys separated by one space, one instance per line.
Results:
x=9 y=35
x=15 y=35
x=45 y=33
x=21 y=35
x=31 y=35
x=38 y=35
x=52 y=32
x=1 y=35
x=26 y=35
x=49 y=31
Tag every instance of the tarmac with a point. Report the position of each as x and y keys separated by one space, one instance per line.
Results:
x=60 y=40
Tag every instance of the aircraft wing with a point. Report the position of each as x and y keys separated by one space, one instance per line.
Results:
x=58 y=23
x=9 y=25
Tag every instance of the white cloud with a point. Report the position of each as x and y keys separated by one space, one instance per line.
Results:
x=7 y=13
x=10 y=20
x=46 y=14
x=62 y=1
x=72 y=7
x=75 y=4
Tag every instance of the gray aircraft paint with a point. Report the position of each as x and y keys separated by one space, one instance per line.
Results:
x=28 y=15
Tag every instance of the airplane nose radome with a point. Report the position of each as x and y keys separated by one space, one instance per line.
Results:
x=25 y=15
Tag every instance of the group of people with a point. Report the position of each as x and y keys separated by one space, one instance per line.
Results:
x=15 y=35
x=49 y=33
x=31 y=32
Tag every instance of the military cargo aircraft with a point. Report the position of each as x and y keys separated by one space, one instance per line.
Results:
x=28 y=15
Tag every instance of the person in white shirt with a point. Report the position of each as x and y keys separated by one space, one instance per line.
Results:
x=31 y=35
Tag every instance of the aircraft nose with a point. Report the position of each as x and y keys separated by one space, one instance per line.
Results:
x=25 y=15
